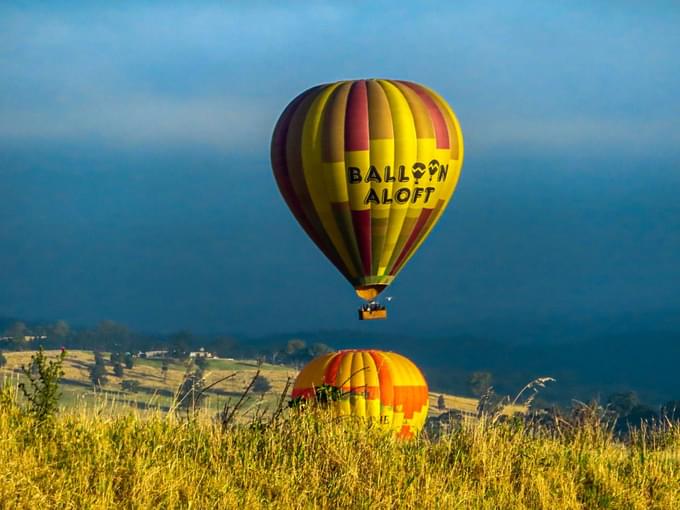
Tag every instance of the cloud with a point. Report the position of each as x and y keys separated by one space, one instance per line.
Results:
x=147 y=75
x=222 y=122
x=538 y=75
x=579 y=134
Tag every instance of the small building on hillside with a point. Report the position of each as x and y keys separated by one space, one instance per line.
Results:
x=201 y=353
x=34 y=338
x=23 y=338
x=154 y=354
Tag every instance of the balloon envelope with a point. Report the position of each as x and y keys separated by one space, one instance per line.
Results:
x=382 y=386
x=367 y=167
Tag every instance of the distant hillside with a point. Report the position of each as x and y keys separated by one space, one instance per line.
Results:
x=6 y=322
x=644 y=361
x=636 y=353
x=157 y=389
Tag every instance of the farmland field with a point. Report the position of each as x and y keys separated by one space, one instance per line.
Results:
x=111 y=449
x=157 y=390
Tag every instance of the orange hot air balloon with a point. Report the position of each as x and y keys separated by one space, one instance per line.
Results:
x=382 y=386
x=367 y=167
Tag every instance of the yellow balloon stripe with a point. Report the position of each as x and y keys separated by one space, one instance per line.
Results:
x=405 y=153
x=455 y=159
x=381 y=170
x=425 y=148
x=358 y=385
x=344 y=378
x=384 y=372
x=372 y=401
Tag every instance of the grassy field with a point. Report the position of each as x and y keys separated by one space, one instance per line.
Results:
x=157 y=390
x=105 y=450
x=310 y=459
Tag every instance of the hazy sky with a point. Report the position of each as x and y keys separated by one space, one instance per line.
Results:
x=135 y=182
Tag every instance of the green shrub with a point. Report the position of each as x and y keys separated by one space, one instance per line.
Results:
x=130 y=385
x=42 y=388
x=261 y=384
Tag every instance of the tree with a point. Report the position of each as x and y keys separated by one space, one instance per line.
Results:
x=479 y=383
x=622 y=403
x=98 y=375
x=296 y=351
x=3 y=360
x=130 y=385
x=116 y=357
x=108 y=334
x=671 y=410
x=223 y=346
x=641 y=414
x=164 y=369
x=17 y=332
x=261 y=384
x=318 y=348
x=294 y=346
x=191 y=392
x=98 y=358
x=42 y=389
x=180 y=343
x=129 y=361
x=118 y=370
x=98 y=370
x=201 y=363
x=60 y=330
x=441 y=403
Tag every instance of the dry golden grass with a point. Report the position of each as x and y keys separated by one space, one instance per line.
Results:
x=464 y=404
x=109 y=455
x=77 y=390
x=157 y=389
x=87 y=459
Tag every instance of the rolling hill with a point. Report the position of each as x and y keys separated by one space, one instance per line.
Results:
x=157 y=390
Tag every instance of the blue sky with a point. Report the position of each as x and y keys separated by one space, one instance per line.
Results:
x=530 y=73
x=138 y=130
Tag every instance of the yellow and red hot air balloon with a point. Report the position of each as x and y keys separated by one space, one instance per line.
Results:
x=382 y=386
x=367 y=167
